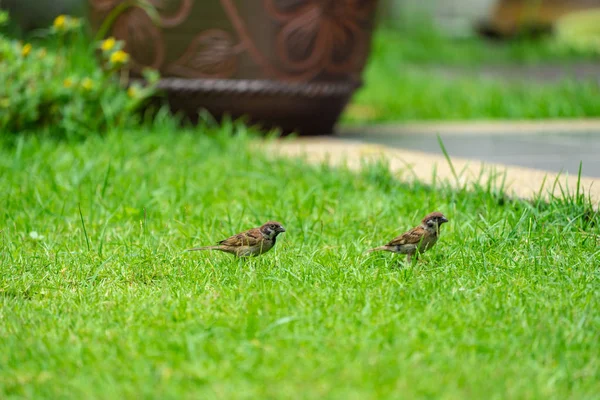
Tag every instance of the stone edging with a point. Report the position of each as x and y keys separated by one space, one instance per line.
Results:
x=519 y=182
x=572 y=126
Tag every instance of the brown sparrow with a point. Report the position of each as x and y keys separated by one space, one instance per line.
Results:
x=418 y=239
x=253 y=242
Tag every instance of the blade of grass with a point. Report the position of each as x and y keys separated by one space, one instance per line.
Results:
x=447 y=156
x=106 y=178
x=87 y=240
x=578 y=182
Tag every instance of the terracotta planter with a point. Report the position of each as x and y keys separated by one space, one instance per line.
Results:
x=287 y=63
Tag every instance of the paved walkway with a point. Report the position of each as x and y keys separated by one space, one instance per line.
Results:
x=527 y=154
x=557 y=146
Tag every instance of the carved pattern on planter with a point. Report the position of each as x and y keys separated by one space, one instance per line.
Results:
x=210 y=55
x=172 y=12
x=313 y=36
x=321 y=35
x=171 y=16
x=143 y=40
x=103 y=5
x=248 y=44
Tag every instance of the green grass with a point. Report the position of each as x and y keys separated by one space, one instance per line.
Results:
x=416 y=39
x=405 y=81
x=99 y=301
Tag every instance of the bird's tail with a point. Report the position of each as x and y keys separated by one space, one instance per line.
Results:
x=380 y=248
x=205 y=248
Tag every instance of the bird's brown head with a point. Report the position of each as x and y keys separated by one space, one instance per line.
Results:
x=271 y=229
x=434 y=220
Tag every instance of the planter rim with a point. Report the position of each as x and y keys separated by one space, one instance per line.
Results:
x=252 y=87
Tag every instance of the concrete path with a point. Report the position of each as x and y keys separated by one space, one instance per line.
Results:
x=557 y=146
x=525 y=155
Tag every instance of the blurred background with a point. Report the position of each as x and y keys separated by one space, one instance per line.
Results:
x=482 y=59
x=452 y=60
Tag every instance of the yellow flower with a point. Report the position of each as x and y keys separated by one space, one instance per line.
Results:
x=87 y=84
x=60 y=22
x=64 y=23
x=26 y=50
x=119 y=57
x=68 y=83
x=108 y=44
x=132 y=91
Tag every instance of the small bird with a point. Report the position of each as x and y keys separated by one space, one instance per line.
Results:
x=418 y=240
x=250 y=243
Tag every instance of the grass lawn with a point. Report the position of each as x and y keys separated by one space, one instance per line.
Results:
x=99 y=301
x=405 y=80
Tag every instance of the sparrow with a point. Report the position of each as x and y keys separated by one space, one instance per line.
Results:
x=417 y=240
x=253 y=242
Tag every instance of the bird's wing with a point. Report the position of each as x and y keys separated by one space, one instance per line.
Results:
x=251 y=237
x=414 y=236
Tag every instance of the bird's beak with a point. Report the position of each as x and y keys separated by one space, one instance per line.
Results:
x=444 y=219
x=282 y=229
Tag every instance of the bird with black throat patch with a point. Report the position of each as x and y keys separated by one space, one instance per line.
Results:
x=417 y=240
x=250 y=243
